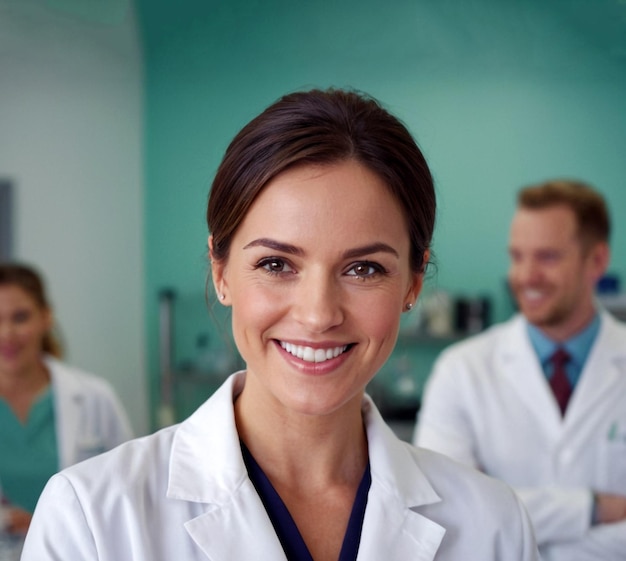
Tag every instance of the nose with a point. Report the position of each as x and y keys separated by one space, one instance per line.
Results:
x=318 y=303
x=524 y=271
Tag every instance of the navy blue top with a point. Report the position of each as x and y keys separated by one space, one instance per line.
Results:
x=286 y=529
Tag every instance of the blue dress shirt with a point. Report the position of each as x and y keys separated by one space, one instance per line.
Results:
x=577 y=346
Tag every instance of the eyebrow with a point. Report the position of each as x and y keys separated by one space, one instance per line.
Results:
x=273 y=244
x=377 y=247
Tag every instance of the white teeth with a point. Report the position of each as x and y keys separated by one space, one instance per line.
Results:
x=309 y=354
x=533 y=294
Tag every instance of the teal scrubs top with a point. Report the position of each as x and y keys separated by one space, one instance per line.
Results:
x=28 y=452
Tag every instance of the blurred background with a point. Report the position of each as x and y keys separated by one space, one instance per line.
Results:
x=115 y=114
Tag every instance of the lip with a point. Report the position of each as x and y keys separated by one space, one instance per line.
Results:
x=10 y=358
x=9 y=351
x=315 y=368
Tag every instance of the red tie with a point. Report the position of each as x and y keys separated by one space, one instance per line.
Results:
x=559 y=383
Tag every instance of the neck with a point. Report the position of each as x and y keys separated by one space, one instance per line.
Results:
x=565 y=330
x=21 y=390
x=30 y=379
x=293 y=448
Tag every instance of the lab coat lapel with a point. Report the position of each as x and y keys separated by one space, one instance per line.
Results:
x=517 y=361
x=391 y=530
x=206 y=467
x=67 y=405
x=602 y=377
x=392 y=527
x=239 y=529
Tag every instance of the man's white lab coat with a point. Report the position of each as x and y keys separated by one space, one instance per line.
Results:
x=488 y=404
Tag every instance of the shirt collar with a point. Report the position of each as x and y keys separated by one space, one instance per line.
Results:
x=577 y=346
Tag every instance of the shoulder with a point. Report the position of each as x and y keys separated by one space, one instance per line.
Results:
x=65 y=376
x=136 y=465
x=115 y=493
x=478 y=352
x=191 y=449
x=612 y=329
x=485 y=340
x=466 y=492
x=411 y=467
x=448 y=476
x=479 y=513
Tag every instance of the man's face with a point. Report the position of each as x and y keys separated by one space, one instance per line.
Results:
x=552 y=276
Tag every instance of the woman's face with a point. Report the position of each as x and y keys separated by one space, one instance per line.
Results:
x=317 y=277
x=23 y=324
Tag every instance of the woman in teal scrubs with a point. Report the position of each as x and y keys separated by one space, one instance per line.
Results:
x=36 y=438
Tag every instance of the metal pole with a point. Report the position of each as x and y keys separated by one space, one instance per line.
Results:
x=166 y=412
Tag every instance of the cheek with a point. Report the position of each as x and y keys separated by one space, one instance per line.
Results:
x=254 y=310
x=514 y=272
x=380 y=319
x=29 y=335
x=26 y=330
x=36 y=334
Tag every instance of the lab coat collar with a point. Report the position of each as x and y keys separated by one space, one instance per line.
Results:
x=67 y=393
x=517 y=361
x=604 y=368
x=206 y=466
x=206 y=461
x=393 y=528
x=392 y=464
x=605 y=364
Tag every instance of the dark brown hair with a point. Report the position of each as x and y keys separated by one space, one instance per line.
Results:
x=322 y=127
x=589 y=207
x=31 y=282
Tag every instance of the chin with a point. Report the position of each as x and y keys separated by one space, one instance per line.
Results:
x=319 y=405
x=548 y=320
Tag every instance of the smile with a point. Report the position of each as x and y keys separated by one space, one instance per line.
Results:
x=309 y=354
x=533 y=294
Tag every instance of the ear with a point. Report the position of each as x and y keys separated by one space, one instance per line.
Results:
x=599 y=258
x=417 y=282
x=218 y=275
x=48 y=319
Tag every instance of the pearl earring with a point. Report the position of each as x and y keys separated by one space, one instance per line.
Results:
x=409 y=306
x=221 y=296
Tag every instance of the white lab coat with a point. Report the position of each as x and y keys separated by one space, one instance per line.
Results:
x=488 y=404
x=88 y=415
x=184 y=493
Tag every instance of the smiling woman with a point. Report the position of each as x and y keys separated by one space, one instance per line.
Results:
x=332 y=273
x=320 y=219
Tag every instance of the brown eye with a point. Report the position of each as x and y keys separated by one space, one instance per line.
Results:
x=275 y=266
x=21 y=316
x=365 y=269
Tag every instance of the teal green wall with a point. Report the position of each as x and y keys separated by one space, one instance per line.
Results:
x=498 y=94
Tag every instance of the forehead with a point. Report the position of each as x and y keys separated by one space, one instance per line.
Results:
x=14 y=294
x=547 y=227
x=344 y=199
